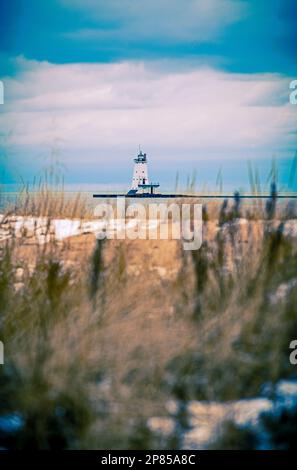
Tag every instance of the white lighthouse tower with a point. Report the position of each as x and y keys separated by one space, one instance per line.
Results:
x=140 y=180
x=140 y=172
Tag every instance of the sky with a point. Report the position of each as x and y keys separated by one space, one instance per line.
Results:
x=200 y=85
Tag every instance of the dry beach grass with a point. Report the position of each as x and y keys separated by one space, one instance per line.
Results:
x=104 y=338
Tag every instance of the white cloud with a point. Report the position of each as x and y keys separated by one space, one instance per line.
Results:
x=108 y=106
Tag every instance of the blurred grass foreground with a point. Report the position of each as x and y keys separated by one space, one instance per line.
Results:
x=125 y=344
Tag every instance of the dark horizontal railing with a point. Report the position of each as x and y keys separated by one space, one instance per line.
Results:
x=198 y=196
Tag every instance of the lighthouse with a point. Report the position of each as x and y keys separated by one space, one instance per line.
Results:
x=140 y=172
x=140 y=180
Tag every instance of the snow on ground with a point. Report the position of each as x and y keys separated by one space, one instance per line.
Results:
x=42 y=229
x=206 y=419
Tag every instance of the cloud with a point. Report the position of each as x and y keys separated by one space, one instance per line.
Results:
x=166 y=21
x=246 y=36
x=106 y=110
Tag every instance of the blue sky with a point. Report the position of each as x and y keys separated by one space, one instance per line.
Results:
x=86 y=81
